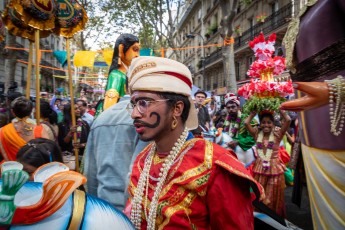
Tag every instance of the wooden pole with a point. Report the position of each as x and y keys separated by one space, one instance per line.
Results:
x=70 y=83
x=37 y=68
x=29 y=73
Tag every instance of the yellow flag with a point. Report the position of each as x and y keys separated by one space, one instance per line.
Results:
x=108 y=56
x=84 y=58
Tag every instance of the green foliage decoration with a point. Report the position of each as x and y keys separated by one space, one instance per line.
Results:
x=259 y=104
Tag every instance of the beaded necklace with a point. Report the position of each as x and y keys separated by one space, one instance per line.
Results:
x=143 y=184
x=266 y=158
x=233 y=124
x=336 y=95
x=79 y=129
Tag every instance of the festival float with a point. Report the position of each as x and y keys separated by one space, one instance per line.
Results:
x=263 y=93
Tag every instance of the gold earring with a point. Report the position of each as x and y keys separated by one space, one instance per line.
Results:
x=119 y=61
x=174 y=123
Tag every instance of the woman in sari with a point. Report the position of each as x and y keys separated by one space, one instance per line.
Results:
x=21 y=129
x=268 y=168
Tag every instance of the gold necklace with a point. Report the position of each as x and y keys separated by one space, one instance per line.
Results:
x=23 y=125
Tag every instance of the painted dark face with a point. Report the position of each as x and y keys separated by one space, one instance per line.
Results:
x=266 y=125
x=131 y=53
x=151 y=125
x=232 y=109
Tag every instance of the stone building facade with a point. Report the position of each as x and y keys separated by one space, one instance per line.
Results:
x=19 y=58
x=198 y=29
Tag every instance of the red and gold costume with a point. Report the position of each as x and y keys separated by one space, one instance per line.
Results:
x=206 y=188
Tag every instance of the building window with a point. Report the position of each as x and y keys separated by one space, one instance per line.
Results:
x=23 y=76
x=274 y=7
x=237 y=69
x=250 y=60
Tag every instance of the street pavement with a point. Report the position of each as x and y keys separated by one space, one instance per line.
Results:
x=300 y=217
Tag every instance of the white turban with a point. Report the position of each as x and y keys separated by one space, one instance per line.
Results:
x=163 y=75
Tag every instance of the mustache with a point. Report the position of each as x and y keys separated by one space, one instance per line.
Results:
x=154 y=125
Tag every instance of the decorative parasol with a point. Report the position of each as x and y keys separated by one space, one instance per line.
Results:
x=38 y=14
x=70 y=19
x=16 y=26
x=264 y=93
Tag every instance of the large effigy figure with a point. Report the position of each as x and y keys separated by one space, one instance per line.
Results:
x=315 y=52
x=126 y=48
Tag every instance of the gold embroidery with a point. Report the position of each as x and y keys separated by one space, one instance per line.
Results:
x=198 y=170
x=157 y=159
x=142 y=67
x=198 y=181
x=183 y=205
x=203 y=173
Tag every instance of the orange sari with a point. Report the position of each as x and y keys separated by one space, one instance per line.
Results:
x=11 y=142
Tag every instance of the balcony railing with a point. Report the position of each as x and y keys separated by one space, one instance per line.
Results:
x=272 y=22
x=213 y=57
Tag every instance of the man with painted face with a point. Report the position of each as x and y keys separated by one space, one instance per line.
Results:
x=178 y=181
x=126 y=48
x=234 y=126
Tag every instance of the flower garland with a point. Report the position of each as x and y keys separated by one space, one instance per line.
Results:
x=234 y=124
x=143 y=184
x=266 y=158
x=79 y=129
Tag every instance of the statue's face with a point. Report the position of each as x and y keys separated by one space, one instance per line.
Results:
x=131 y=53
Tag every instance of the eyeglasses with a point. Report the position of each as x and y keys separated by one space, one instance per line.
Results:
x=141 y=105
x=231 y=107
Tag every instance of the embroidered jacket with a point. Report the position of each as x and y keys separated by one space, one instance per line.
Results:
x=206 y=188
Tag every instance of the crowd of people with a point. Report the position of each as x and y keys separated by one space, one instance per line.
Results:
x=143 y=149
x=146 y=152
x=131 y=139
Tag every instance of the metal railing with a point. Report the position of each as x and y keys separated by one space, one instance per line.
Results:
x=213 y=57
x=277 y=19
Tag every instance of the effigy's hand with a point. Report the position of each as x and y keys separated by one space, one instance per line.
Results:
x=317 y=95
